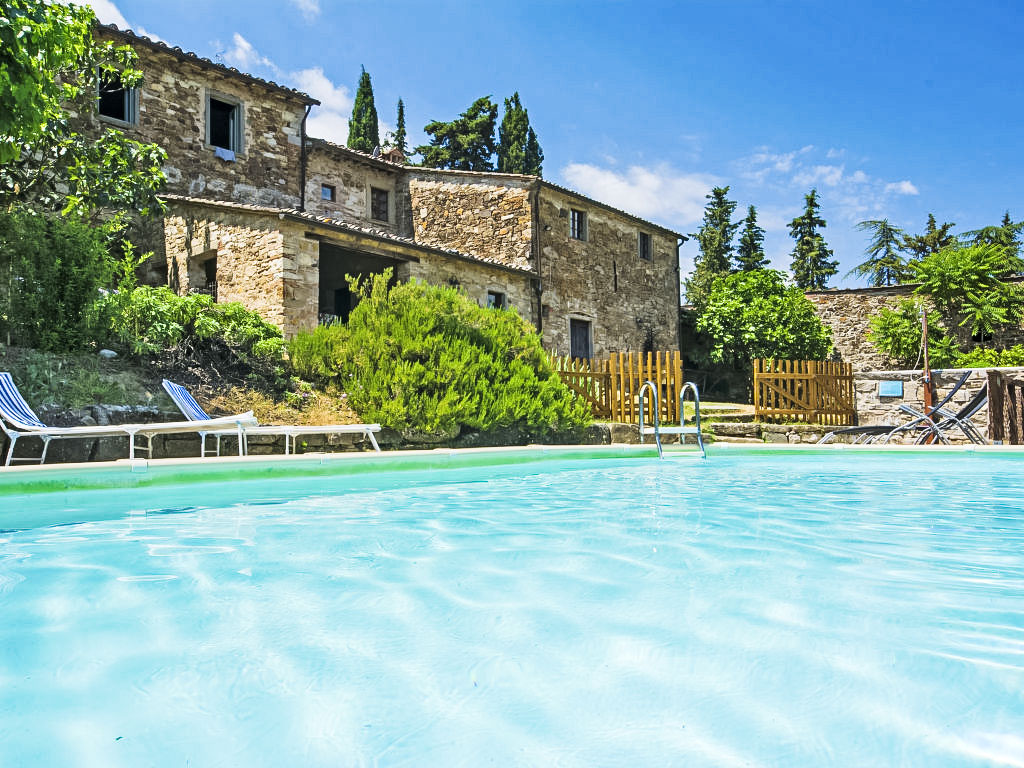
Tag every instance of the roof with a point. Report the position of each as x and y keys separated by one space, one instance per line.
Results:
x=203 y=63
x=357 y=154
x=343 y=226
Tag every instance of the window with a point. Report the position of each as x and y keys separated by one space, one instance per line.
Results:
x=116 y=102
x=644 y=246
x=579 y=338
x=224 y=124
x=496 y=300
x=379 y=204
x=210 y=275
x=578 y=224
x=327 y=192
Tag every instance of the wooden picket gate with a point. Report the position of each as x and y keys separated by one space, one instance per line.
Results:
x=814 y=391
x=611 y=385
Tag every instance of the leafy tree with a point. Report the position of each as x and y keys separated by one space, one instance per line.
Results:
x=750 y=251
x=714 y=238
x=363 y=128
x=812 y=263
x=50 y=62
x=518 y=148
x=466 y=143
x=427 y=360
x=755 y=314
x=897 y=334
x=399 y=139
x=934 y=239
x=885 y=264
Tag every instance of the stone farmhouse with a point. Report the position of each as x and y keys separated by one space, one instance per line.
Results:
x=259 y=212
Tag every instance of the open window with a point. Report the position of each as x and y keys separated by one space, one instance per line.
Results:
x=116 y=101
x=496 y=300
x=224 y=123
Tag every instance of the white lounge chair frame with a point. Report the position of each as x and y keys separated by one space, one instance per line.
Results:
x=17 y=420
x=192 y=410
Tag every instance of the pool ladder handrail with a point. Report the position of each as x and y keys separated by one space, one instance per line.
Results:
x=682 y=429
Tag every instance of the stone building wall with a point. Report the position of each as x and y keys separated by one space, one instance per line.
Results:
x=172 y=113
x=249 y=252
x=630 y=302
x=474 y=215
x=352 y=175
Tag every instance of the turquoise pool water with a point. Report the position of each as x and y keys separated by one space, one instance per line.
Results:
x=750 y=610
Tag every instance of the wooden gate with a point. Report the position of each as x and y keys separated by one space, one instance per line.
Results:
x=1005 y=408
x=813 y=391
x=611 y=385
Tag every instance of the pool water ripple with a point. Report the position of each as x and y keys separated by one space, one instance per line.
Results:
x=760 y=611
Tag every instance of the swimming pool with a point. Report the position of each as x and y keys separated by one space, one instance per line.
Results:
x=758 y=609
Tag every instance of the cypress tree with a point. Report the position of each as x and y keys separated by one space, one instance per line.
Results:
x=363 y=130
x=400 y=135
x=518 y=148
x=812 y=264
x=466 y=143
x=750 y=251
x=714 y=238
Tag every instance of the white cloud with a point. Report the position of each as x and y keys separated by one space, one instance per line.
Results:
x=245 y=57
x=329 y=120
x=108 y=13
x=829 y=175
x=658 y=193
x=310 y=9
x=904 y=187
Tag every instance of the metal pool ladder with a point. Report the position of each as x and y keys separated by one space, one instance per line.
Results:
x=682 y=429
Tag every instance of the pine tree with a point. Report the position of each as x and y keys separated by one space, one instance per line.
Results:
x=750 y=251
x=885 y=265
x=363 y=130
x=400 y=139
x=1005 y=235
x=714 y=238
x=518 y=148
x=812 y=263
x=934 y=239
x=466 y=143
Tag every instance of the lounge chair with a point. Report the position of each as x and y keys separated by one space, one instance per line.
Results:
x=875 y=433
x=192 y=410
x=942 y=420
x=17 y=420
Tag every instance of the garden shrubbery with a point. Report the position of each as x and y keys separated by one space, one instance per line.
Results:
x=426 y=360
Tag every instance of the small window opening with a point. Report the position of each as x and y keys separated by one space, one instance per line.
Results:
x=615 y=277
x=116 y=101
x=327 y=192
x=578 y=224
x=379 y=204
x=210 y=275
x=224 y=125
x=496 y=300
x=644 y=247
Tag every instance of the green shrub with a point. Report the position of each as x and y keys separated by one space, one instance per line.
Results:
x=425 y=359
x=897 y=334
x=51 y=272
x=992 y=358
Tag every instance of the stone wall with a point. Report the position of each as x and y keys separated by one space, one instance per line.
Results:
x=629 y=301
x=473 y=215
x=352 y=175
x=172 y=113
x=249 y=252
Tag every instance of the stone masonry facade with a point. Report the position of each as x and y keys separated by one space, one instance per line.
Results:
x=264 y=215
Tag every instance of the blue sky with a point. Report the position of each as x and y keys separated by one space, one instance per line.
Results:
x=890 y=109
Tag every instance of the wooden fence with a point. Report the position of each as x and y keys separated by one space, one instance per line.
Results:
x=612 y=385
x=814 y=391
x=1005 y=408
